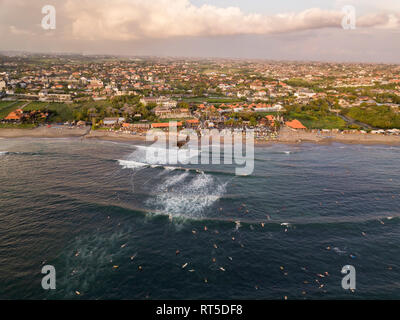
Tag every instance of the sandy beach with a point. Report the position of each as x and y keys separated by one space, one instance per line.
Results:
x=114 y=136
x=45 y=132
x=285 y=136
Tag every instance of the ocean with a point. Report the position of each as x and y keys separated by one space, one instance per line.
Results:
x=116 y=228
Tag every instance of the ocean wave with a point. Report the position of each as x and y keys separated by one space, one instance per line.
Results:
x=2 y=153
x=189 y=199
x=162 y=156
x=131 y=164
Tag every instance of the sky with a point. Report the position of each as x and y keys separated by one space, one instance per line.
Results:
x=251 y=29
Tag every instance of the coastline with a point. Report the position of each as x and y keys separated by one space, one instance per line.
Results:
x=284 y=137
x=44 y=132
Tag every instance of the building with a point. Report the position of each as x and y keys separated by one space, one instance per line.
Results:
x=136 y=126
x=54 y=97
x=16 y=115
x=295 y=124
x=161 y=102
x=168 y=113
x=113 y=121
x=192 y=123
x=165 y=125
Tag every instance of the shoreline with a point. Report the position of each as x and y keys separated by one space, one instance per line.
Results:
x=284 y=137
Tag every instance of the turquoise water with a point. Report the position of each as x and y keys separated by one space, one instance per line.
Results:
x=87 y=207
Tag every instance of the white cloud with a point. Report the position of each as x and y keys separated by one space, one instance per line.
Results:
x=18 y=32
x=138 y=19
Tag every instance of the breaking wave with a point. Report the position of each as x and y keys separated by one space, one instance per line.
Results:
x=182 y=192
x=189 y=199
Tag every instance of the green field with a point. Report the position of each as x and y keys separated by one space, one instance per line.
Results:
x=60 y=112
x=17 y=126
x=315 y=115
x=319 y=122
x=8 y=106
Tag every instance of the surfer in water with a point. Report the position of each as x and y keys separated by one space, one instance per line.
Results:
x=180 y=144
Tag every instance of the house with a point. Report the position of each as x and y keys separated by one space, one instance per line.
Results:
x=113 y=121
x=136 y=126
x=271 y=120
x=160 y=101
x=295 y=124
x=44 y=96
x=192 y=123
x=16 y=115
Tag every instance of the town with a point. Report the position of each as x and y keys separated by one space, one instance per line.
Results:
x=133 y=95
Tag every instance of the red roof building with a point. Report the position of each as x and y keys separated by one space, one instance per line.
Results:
x=15 y=115
x=295 y=124
x=165 y=125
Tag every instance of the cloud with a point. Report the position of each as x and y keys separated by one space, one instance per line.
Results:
x=18 y=32
x=160 y=19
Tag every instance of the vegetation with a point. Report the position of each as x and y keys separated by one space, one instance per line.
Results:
x=315 y=115
x=17 y=126
x=377 y=116
x=58 y=112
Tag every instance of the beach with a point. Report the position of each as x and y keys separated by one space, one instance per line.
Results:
x=45 y=132
x=285 y=135
x=290 y=136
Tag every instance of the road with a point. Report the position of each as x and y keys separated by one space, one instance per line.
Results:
x=361 y=124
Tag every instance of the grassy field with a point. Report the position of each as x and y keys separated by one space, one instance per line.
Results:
x=61 y=112
x=8 y=106
x=327 y=122
x=317 y=120
x=17 y=126
x=315 y=115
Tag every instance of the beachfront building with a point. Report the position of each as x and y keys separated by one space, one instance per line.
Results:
x=15 y=116
x=165 y=125
x=137 y=127
x=192 y=123
x=295 y=124
x=109 y=122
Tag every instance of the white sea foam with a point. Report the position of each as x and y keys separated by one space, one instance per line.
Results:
x=189 y=199
x=130 y=164
x=164 y=156
x=174 y=180
x=178 y=194
x=2 y=153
